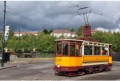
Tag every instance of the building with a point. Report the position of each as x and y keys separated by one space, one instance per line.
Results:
x=65 y=33
x=25 y=33
x=93 y=31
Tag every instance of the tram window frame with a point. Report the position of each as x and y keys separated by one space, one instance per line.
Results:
x=78 y=50
x=89 y=51
x=110 y=50
x=105 y=50
x=65 y=51
x=60 y=44
x=73 y=50
x=95 y=50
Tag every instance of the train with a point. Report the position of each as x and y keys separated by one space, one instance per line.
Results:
x=78 y=57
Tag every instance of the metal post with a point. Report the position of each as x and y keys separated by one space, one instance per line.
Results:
x=3 y=38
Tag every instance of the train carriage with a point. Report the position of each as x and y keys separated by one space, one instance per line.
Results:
x=76 y=56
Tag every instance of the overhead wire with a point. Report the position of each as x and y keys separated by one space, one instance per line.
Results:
x=92 y=11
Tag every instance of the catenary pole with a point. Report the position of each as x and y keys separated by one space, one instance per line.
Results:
x=3 y=39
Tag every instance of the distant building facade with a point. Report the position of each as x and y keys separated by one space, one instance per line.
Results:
x=93 y=31
x=17 y=34
x=65 y=33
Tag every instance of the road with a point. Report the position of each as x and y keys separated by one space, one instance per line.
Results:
x=44 y=71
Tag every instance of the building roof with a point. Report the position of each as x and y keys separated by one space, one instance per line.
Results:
x=61 y=31
x=73 y=32
x=24 y=33
x=93 y=31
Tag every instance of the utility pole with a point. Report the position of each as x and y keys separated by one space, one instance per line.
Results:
x=3 y=39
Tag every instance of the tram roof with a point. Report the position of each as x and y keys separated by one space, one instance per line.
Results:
x=81 y=41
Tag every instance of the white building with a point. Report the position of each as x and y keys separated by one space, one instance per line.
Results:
x=25 y=33
x=65 y=33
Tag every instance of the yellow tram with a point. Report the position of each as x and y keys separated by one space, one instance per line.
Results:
x=76 y=56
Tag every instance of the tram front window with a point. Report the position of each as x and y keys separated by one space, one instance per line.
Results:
x=65 y=49
x=59 y=47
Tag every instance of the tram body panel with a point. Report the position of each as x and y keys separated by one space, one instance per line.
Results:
x=68 y=61
x=95 y=58
x=110 y=60
x=77 y=61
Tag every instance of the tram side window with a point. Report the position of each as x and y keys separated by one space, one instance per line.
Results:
x=65 y=49
x=59 y=48
x=72 y=49
x=87 y=50
x=105 y=51
x=96 y=50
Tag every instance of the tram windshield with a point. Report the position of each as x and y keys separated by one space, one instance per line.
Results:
x=59 y=47
x=67 y=48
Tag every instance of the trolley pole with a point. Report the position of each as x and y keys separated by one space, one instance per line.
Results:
x=3 y=38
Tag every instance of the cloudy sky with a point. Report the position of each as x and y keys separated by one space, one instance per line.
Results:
x=39 y=15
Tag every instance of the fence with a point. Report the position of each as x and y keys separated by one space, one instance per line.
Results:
x=115 y=56
x=35 y=55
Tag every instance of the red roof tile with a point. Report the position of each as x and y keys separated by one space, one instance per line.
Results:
x=61 y=31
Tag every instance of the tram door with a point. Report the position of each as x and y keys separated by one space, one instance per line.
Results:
x=78 y=49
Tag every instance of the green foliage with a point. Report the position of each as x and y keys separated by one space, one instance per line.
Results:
x=108 y=37
x=80 y=31
x=42 y=43
x=72 y=29
x=11 y=33
x=47 y=31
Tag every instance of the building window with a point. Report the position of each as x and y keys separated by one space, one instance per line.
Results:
x=87 y=50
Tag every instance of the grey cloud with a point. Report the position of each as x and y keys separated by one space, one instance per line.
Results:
x=39 y=15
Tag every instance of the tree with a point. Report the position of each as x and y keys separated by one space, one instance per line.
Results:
x=108 y=37
x=11 y=33
x=72 y=29
x=80 y=31
x=46 y=31
x=50 y=31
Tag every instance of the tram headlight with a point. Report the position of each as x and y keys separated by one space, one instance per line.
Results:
x=58 y=66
